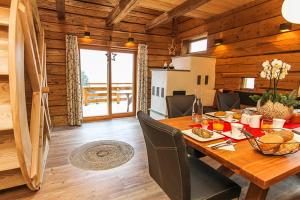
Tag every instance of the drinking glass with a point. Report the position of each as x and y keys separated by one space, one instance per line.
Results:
x=204 y=123
x=218 y=125
x=266 y=124
x=198 y=118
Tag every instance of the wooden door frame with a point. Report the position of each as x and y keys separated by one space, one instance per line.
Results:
x=110 y=114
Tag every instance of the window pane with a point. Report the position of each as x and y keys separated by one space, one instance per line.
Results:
x=248 y=83
x=94 y=82
x=199 y=45
x=122 y=67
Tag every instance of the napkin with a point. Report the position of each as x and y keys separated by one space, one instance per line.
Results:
x=291 y=125
x=227 y=147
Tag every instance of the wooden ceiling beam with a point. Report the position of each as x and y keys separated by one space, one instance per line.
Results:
x=180 y=10
x=120 y=11
x=60 y=9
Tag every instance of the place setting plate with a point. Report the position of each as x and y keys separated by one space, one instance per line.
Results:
x=212 y=114
x=253 y=109
x=215 y=136
x=231 y=121
x=297 y=137
x=235 y=137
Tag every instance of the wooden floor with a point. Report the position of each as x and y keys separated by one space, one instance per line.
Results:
x=127 y=182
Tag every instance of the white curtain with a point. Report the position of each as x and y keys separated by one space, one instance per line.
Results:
x=74 y=97
x=142 y=77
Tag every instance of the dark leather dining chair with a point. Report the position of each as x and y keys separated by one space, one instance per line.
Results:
x=180 y=105
x=180 y=176
x=228 y=101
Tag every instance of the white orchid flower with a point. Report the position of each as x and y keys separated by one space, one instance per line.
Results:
x=263 y=74
x=277 y=69
x=282 y=76
x=277 y=63
x=283 y=65
x=266 y=65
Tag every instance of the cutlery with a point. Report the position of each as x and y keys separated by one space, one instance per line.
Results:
x=296 y=132
x=209 y=115
x=212 y=116
x=226 y=143
x=223 y=145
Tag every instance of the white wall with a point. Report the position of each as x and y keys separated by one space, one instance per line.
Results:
x=184 y=80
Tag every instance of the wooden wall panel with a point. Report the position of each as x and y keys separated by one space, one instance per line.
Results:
x=251 y=35
x=82 y=14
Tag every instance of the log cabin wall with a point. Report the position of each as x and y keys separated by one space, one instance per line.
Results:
x=91 y=14
x=251 y=35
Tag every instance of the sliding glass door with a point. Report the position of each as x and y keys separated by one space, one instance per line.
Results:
x=108 y=82
x=122 y=78
x=94 y=81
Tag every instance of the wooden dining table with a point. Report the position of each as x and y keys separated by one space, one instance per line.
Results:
x=262 y=171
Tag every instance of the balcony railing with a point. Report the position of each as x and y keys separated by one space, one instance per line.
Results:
x=98 y=93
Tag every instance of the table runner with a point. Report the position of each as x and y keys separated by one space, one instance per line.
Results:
x=256 y=132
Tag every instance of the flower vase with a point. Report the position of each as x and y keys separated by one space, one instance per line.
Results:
x=275 y=110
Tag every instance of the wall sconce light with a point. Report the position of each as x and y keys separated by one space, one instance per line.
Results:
x=87 y=35
x=130 y=43
x=285 y=27
x=86 y=38
x=218 y=42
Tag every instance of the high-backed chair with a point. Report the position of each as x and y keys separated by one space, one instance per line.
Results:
x=180 y=176
x=228 y=101
x=180 y=105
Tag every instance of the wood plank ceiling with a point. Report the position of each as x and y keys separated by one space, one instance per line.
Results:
x=206 y=9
